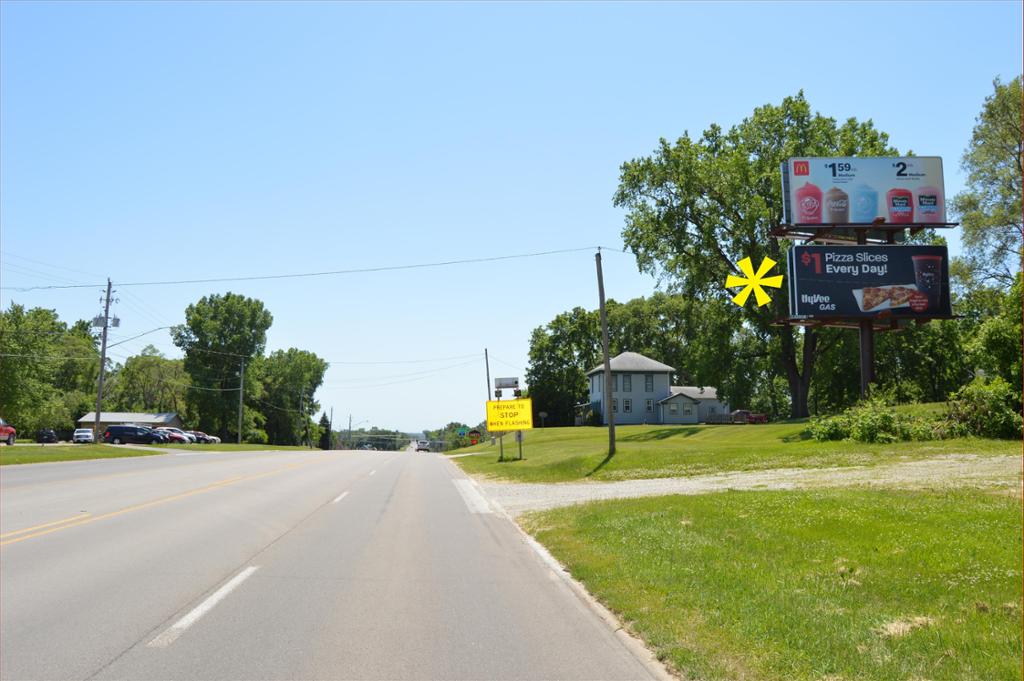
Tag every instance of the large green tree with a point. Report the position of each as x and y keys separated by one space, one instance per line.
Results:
x=219 y=333
x=149 y=382
x=290 y=378
x=989 y=208
x=697 y=206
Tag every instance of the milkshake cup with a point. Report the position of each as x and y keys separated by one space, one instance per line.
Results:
x=837 y=206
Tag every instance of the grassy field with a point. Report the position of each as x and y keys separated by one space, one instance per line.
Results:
x=68 y=452
x=561 y=454
x=38 y=454
x=837 y=584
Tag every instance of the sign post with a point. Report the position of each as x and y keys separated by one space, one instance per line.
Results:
x=510 y=415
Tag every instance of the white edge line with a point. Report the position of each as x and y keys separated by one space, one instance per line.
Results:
x=634 y=644
x=373 y=471
x=178 y=628
x=339 y=497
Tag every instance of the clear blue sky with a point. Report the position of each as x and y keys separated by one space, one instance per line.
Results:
x=187 y=140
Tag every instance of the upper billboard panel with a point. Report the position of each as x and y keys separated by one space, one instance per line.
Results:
x=860 y=190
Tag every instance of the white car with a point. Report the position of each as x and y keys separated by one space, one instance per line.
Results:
x=83 y=435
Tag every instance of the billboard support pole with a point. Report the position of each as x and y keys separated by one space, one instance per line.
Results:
x=867 y=337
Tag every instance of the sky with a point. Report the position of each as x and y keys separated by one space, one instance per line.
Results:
x=178 y=141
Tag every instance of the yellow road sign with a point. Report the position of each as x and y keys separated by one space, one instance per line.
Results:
x=509 y=414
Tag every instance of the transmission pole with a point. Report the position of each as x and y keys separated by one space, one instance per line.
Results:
x=241 y=392
x=606 y=390
x=103 y=363
x=330 y=431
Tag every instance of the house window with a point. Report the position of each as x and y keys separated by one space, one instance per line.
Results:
x=627 y=406
x=688 y=410
x=627 y=383
x=649 y=405
x=711 y=410
x=648 y=383
x=598 y=380
x=615 y=406
x=615 y=383
x=673 y=408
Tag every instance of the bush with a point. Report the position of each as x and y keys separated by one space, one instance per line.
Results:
x=256 y=436
x=875 y=420
x=986 y=408
x=829 y=428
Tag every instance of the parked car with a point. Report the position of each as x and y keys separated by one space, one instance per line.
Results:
x=200 y=436
x=46 y=435
x=177 y=431
x=746 y=416
x=164 y=437
x=82 y=435
x=7 y=432
x=120 y=435
x=422 y=446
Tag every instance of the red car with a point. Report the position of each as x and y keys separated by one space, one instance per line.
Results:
x=7 y=432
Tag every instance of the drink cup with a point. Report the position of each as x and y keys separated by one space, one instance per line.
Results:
x=928 y=277
x=928 y=204
x=900 y=204
x=837 y=206
x=863 y=204
x=808 y=202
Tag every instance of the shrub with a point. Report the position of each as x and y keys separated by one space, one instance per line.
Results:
x=986 y=408
x=825 y=428
x=256 y=436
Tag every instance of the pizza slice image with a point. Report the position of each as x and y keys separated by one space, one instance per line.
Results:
x=873 y=297
x=900 y=295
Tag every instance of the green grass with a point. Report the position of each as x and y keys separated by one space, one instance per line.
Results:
x=69 y=452
x=561 y=454
x=807 y=585
x=38 y=454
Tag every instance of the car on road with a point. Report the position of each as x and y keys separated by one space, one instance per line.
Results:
x=82 y=435
x=120 y=435
x=46 y=435
x=422 y=446
x=8 y=433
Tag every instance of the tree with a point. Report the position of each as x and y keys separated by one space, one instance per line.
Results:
x=560 y=355
x=150 y=382
x=290 y=378
x=325 y=432
x=221 y=331
x=696 y=207
x=989 y=208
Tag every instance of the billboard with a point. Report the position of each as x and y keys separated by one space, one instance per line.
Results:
x=509 y=414
x=868 y=281
x=858 y=190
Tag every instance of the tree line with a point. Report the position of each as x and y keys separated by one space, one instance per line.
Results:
x=50 y=369
x=697 y=206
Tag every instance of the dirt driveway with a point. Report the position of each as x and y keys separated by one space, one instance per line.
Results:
x=1000 y=473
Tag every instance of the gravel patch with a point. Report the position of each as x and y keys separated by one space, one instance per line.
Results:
x=999 y=473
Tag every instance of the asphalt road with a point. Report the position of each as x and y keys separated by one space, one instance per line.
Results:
x=280 y=565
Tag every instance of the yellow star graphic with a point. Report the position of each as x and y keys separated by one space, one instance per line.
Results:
x=753 y=282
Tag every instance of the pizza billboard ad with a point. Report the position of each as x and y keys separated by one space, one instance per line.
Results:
x=857 y=190
x=868 y=281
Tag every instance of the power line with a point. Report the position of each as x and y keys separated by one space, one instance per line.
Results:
x=363 y=270
x=410 y=361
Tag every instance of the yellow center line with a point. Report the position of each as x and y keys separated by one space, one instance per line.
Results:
x=147 y=504
x=39 y=527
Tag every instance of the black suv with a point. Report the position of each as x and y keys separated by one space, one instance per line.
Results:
x=46 y=435
x=120 y=435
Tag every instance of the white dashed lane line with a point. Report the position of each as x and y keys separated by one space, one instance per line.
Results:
x=171 y=634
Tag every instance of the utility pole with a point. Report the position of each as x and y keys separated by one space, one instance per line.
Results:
x=305 y=420
x=487 y=363
x=103 y=364
x=302 y=412
x=330 y=431
x=606 y=389
x=350 y=431
x=241 y=392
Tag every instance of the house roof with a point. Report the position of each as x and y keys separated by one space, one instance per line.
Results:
x=634 y=361
x=693 y=392
x=129 y=417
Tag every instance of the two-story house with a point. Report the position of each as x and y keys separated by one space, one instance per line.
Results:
x=642 y=392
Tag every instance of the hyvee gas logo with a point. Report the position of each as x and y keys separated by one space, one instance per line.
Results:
x=801 y=167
